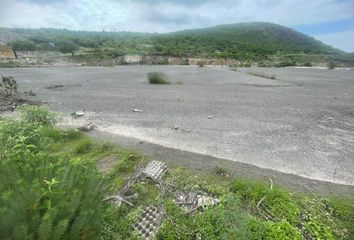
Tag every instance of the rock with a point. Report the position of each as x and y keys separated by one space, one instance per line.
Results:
x=210 y=117
x=137 y=110
x=86 y=128
x=176 y=127
x=78 y=114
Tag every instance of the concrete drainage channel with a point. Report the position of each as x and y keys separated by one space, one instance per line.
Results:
x=148 y=223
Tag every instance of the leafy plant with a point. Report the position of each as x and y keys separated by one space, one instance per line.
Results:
x=17 y=136
x=157 y=78
x=37 y=115
x=44 y=197
x=8 y=86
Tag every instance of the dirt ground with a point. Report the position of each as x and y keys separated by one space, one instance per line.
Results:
x=300 y=123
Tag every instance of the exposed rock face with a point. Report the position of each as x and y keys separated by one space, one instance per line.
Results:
x=6 y=52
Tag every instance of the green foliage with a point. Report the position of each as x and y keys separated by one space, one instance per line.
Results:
x=8 y=85
x=281 y=230
x=242 y=41
x=43 y=197
x=82 y=146
x=66 y=46
x=277 y=204
x=37 y=115
x=332 y=65
x=21 y=137
x=20 y=45
x=9 y=64
x=201 y=63
x=157 y=78
x=72 y=134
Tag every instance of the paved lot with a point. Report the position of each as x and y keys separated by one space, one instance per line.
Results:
x=300 y=123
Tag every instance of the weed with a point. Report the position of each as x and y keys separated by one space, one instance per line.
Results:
x=82 y=146
x=157 y=78
x=37 y=115
x=72 y=134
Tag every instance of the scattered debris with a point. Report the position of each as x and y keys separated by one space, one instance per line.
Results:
x=191 y=201
x=78 y=114
x=87 y=128
x=137 y=110
x=149 y=222
x=155 y=170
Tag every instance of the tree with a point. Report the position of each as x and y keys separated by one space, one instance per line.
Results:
x=66 y=46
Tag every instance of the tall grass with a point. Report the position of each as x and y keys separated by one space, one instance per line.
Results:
x=157 y=78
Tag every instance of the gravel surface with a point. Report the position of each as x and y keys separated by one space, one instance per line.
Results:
x=301 y=123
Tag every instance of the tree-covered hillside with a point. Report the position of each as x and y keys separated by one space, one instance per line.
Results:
x=242 y=41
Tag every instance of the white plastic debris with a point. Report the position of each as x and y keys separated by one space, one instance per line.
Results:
x=77 y=114
x=155 y=170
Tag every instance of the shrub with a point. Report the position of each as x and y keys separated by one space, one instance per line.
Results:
x=157 y=78
x=201 y=63
x=21 y=137
x=37 y=115
x=8 y=86
x=43 y=197
x=65 y=46
x=331 y=65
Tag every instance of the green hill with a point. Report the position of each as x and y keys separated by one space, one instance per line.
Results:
x=257 y=41
x=242 y=40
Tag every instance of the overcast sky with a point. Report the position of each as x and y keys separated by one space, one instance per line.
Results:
x=331 y=21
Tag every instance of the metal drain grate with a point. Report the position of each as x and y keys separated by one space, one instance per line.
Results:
x=155 y=170
x=149 y=222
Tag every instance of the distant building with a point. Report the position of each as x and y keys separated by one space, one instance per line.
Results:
x=6 y=52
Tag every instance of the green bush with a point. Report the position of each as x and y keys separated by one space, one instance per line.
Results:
x=37 y=115
x=201 y=63
x=44 y=197
x=21 y=137
x=157 y=78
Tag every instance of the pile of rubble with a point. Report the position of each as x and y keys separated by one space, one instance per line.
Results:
x=150 y=220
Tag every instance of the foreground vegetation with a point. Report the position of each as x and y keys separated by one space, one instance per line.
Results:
x=53 y=182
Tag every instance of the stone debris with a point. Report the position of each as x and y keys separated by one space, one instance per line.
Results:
x=78 y=114
x=87 y=128
x=149 y=222
x=191 y=201
x=137 y=110
x=30 y=93
x=155 y=170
